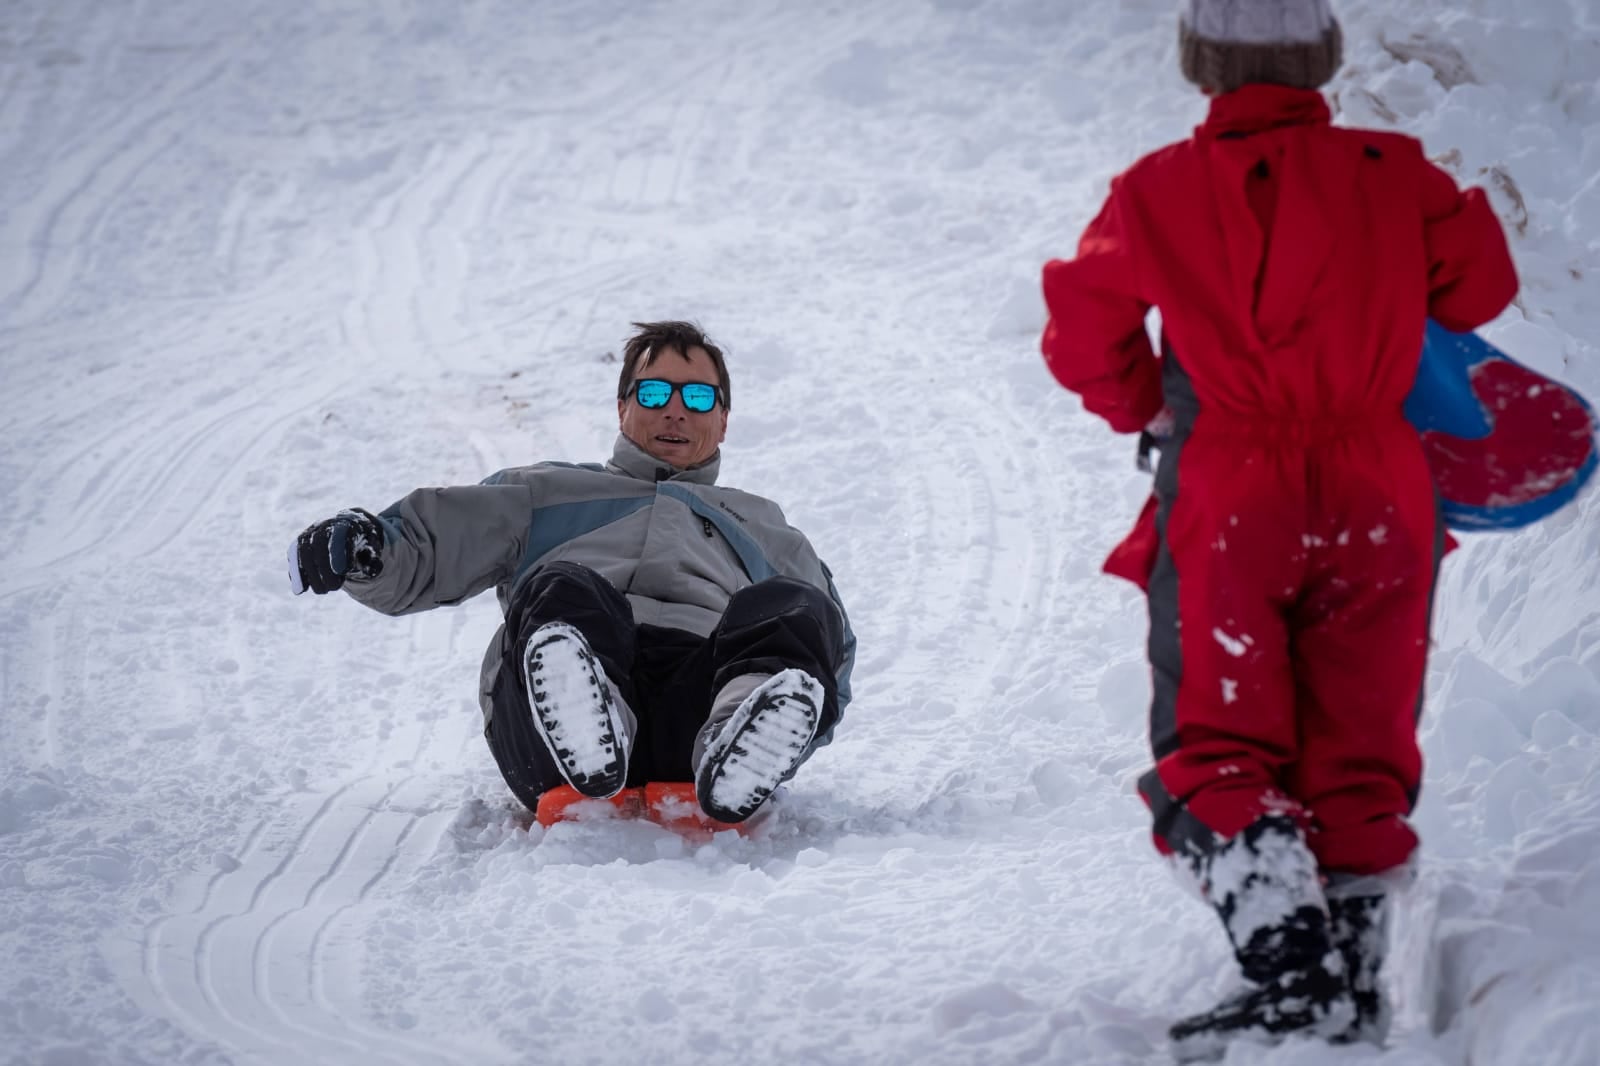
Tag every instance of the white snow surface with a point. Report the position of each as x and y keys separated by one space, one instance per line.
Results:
x=262 y=261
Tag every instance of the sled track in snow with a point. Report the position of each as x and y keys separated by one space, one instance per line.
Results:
x=61 y=225
x=409 y=273
x=267 y=958
x=134 y=492
x=271 y=951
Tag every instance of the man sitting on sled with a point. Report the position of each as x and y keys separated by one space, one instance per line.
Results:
x=658 y=626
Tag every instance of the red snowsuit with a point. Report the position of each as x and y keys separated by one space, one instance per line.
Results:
x=1290 y=549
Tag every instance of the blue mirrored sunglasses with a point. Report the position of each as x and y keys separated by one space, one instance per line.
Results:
x=654 y=392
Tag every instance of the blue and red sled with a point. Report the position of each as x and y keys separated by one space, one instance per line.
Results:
x=1507 y=446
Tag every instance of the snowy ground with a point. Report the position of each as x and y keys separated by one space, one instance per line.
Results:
x=262 y=261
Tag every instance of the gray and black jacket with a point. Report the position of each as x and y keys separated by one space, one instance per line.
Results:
x=675 y=543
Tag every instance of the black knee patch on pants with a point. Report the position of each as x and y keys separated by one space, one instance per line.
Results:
x=558 y=592
x=667 y=676
x=777 y=624
x=578 y=596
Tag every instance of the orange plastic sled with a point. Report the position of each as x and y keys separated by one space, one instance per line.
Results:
x=671 y=804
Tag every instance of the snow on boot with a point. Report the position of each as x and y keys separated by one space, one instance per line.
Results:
x=577 y=711
x=1264 y=885
x=759 y=731
x=1360 y=930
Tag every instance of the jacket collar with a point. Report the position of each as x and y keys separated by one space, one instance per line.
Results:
x=1258 y=107
x=630 y=459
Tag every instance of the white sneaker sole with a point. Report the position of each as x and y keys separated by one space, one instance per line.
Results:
x=573 y=711
x=759 y=748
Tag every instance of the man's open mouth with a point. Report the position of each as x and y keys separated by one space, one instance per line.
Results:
x=669 y=439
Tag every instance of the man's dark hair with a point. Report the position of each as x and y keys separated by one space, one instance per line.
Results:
x=653 y=338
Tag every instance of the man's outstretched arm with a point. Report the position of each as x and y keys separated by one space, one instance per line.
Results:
x=431 y=548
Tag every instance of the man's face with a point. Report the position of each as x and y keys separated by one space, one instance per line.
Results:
x=674 y=434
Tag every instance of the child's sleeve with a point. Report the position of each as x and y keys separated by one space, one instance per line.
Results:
x=1095 y=342
x=1471 y=277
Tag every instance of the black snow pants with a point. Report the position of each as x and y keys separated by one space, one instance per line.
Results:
x=667 y=676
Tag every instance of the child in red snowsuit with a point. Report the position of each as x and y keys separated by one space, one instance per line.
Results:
x=1290 y=549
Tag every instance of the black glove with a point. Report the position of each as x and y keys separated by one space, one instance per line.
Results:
x=351 y=542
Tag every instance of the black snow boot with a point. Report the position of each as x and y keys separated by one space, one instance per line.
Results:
x=1360 y=930
x=759 y=731
x=577 y=711
x=1265 y=887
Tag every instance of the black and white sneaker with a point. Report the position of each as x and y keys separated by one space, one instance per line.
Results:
x=577 y=711
x=759 y=745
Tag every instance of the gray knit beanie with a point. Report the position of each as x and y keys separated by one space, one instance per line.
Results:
x=1223 y=44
